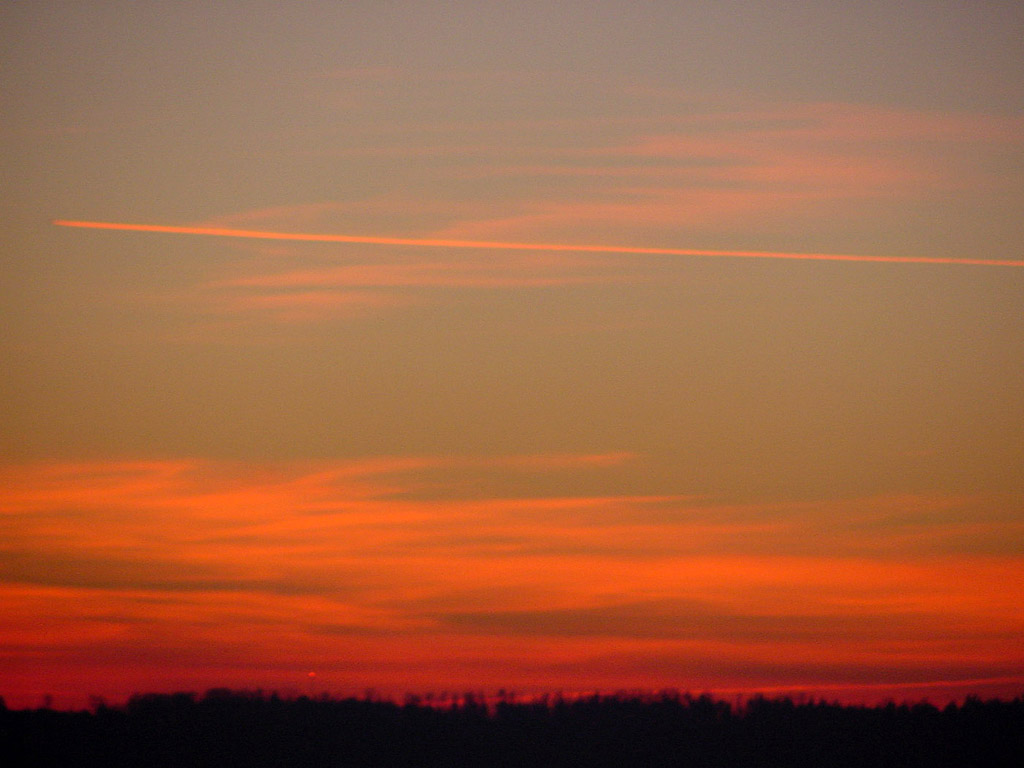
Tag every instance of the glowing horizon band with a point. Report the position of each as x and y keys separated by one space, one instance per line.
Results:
x=511 y=246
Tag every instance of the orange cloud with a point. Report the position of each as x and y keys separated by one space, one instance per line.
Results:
x=488 y=273
x=411 y=573
x=750 y=167
x=307 y=305
x=513 y=246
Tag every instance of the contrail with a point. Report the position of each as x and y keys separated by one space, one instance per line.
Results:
x=504 y=246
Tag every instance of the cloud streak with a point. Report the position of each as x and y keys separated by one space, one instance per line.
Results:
x=516 y=246
x=432 y=570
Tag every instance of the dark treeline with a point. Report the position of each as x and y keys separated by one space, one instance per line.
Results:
x=226 y=728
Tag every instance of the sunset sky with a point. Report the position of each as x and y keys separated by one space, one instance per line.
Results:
x=563 y=385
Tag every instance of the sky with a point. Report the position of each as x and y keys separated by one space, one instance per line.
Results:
x=392 y=346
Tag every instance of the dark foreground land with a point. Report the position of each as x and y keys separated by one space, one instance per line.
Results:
x=225 y=728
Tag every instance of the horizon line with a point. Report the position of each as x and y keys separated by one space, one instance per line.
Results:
x=517 y=246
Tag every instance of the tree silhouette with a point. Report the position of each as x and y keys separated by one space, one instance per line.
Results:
x=245 y=728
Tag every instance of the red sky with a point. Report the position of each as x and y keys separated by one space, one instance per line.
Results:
x=406 y=345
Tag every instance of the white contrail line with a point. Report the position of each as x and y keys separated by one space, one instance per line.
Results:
x=511 y=246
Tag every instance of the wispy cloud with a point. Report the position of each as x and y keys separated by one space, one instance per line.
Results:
x=722 y=167
x=301 y=306
x=707 y=172
x=367 y=558
x=515 y=246
x=404 y=271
